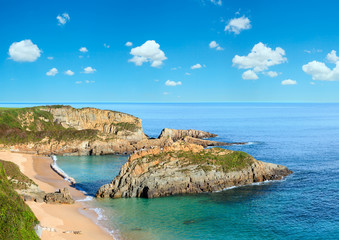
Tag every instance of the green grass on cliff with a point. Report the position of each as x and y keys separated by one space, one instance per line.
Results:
x=23 y=125
x=207 y=159
x=17 y=221
x=16 y=178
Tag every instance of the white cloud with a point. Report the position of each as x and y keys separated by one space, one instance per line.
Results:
x=176 y=68
x=332 y=57
x=236 y=25
x=319 y=71
x=313 y=51
x=260 y=58
x=88 y=70
x=312 y=83
x=69 y=73
x=63 y=19
x=187 y=74
x=217 y=2
x=50 y=58
x=215 y=45
x=165 y=93
x=249 y=75
x=172 y=83
x=83 y=50
x=52 y=72
x=24 y=51
x=78 y=82
x=196 y=66
x=288 y=82
x=128 y=44
x=88 y=81
x=271 y=74
x=148 y=52
x=106 y=45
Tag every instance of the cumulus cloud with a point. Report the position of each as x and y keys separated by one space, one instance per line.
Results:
x=24 y=51
x=52 y=72
x=260 y=58
x=88 y=70
x=271 y=74
x=236 y=25
x=288 y=82
x=128 y=44
x=196 y=66
x=50 y=58
x=187 y=74
x=148 y=52
x=217 y=2
x=249 y=75
x=106 y=45
x=172 y=83
x=83 y=50
x=88 y=81
x=78 y=82
x=69 y=73
x=215 y=45
x=63 y=19
x=332 y=57
x=319 y=71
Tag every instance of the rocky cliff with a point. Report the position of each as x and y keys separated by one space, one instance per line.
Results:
x=64 y=130
x=109 y=123
x=187 y=168
x=175 y=134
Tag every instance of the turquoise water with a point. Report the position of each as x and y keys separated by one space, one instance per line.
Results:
x=303 y=137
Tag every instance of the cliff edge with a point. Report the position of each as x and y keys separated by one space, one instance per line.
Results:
x=187 y=168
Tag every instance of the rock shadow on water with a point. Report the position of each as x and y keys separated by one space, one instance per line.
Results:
x=241 y=194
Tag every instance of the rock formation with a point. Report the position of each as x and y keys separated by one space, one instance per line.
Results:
x=187 y=168
x=60 y=197
x=64 y=130
x=180 y=134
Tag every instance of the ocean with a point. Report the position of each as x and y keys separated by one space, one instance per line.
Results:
x=305 y=205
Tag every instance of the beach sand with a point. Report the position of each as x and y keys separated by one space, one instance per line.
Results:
x=62 y=217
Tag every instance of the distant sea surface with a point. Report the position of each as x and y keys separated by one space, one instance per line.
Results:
x=305 y=205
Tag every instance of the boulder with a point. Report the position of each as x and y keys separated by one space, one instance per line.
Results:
x=62 y=196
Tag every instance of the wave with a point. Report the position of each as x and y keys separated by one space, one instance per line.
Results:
x=59 y=171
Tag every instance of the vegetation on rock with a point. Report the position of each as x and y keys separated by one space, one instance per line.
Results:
x=17 y=221
x=24 y=125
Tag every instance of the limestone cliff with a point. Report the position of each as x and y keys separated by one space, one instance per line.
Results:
x=110 y=123
x=187 y=168
x=175 y=134
x=64 y=130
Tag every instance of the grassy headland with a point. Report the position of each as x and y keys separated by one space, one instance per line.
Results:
x=17 y=221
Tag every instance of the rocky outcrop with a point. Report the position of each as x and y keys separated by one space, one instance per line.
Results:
x=175 y=134
x=187 y=168
x=110 y=123
x=60 y=197
x=64 y=130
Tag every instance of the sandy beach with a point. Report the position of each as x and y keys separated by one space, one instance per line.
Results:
x=63 y=218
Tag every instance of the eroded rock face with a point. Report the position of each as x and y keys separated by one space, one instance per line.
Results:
x=176 y=134
x=60 y=197
x=187 y=168
x=111 y=123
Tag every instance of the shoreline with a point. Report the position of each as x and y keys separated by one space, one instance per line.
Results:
x=59 y=220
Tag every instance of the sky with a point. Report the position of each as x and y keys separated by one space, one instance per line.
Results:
x=169 y=51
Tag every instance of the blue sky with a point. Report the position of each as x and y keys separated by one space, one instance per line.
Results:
x=293 y=44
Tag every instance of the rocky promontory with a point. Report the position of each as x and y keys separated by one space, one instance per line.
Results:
x=183 y=168
x=64 y=130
